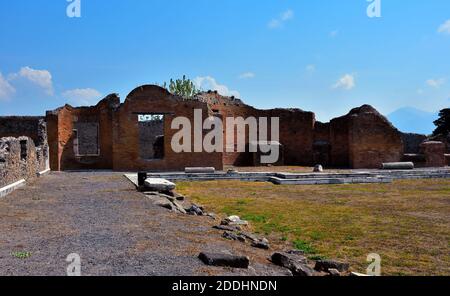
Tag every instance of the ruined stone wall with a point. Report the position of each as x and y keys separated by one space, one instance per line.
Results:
x=296 y=135
x=118 y=133
x=411 y=142
x=224 y=107
x=321 y=132
x=28 y=126
x=33 y=127
x=155 y=100
x=148 y=133
x=322 y=144
x=296 y=129
x=339 y=141
x=373 y=139
x=65 y=127
x=361 y=139
x=18 y=160
x=434 y=152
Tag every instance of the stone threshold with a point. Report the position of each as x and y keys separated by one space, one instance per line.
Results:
x=44 y=172
x=11 y=187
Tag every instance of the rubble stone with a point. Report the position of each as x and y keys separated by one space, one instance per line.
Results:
x=295 y=263
x=234 y=220
x=326 y=265
x=224 y=260
x=159 y=184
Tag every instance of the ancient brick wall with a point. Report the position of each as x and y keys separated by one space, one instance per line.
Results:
x=155 y=100
x=68 y=125
x=339 y=141
x=149 y=131
x=411 y=142
x=87 y=138
x=373 y=140
x=434 y=152
x=18 y=160
x=118 y=137
x=296 y=129
x=362 y=138
x=322 y=144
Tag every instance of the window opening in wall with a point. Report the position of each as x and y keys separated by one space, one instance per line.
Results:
x=23 y=149
x=151 y=136
x=86 y=139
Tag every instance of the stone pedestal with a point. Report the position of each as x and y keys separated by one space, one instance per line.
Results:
x=434 y=153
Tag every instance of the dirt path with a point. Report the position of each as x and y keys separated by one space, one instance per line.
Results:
x=116 y=231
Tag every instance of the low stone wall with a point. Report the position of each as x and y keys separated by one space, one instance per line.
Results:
x=33 y=127
x=434 y=153
x=411 y=142
x=19 y=159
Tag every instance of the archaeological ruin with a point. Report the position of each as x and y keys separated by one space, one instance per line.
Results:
x=24 y=152
x=136 y=136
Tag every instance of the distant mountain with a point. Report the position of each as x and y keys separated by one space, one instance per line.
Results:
x=412 y=120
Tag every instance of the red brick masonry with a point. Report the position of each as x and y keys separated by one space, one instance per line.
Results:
x=361 y=139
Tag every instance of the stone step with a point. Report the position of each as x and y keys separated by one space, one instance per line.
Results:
x=361 y=177
x=214 y=178
x=425 y=176
x=328 y=181
x=324 y=175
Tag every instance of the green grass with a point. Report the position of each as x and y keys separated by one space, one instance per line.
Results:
x=306 y=247
x=21 y=255
x=407 y=222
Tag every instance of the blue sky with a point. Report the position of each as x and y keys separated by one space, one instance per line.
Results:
x=325 y=56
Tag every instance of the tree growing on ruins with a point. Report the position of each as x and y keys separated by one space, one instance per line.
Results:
x=182 y=87
x=442 y=124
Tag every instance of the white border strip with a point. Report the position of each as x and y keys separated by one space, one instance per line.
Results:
x=43 y=172
x=11 y=187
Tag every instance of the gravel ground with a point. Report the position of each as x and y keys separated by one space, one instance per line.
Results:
x=115 y=229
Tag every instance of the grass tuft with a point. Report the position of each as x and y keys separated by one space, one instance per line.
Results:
x=21 y=255
x=304 y=246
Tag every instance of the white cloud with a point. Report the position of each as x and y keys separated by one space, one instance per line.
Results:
x=6 y=89
x=287 y=15
x=282 y=18
x=445 y=28
x=209 y=83
x=346 y=82
x=436 y=83
x=82 y=96
x=334 y=33
x=310 y=68
x=247 y=75
x=42 y=78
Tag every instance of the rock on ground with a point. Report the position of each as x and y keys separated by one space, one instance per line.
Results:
x=159 y=184
x=297 y=264
x=225 y=260
x=234 y=220
x=326 y=265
